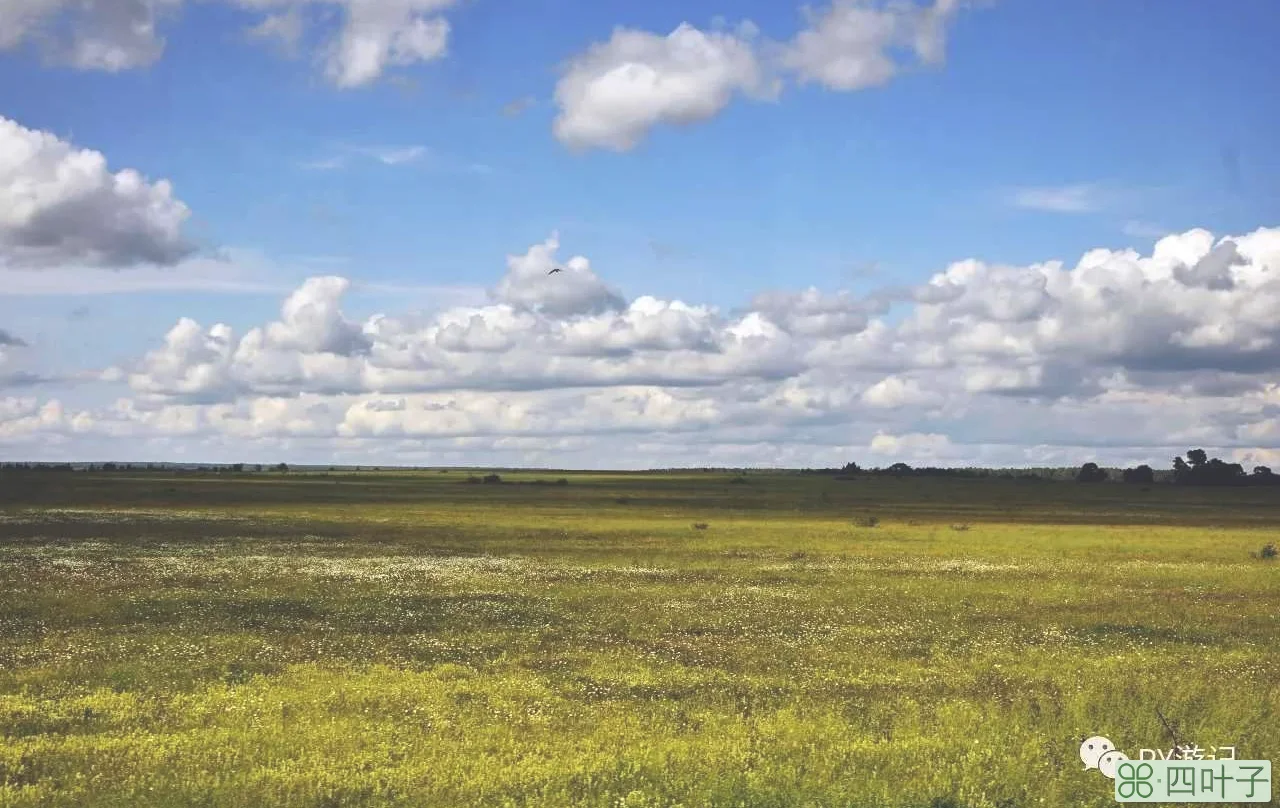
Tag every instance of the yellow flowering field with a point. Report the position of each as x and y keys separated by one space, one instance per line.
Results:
x=679 y=639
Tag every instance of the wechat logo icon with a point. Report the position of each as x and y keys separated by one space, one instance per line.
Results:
x=1101 y=754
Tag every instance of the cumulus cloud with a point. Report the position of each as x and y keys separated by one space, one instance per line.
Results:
x=115 y=35
x=911 y=446
x=612 y=95
x=28 y=417
x=574 y=290
x=811 y=313
x=892 y=392
x=62 y=205
x=630 y=427
x=542 y=331
x=1213 y=270
x=1196 y=306
x=312 y=344
x=311 y=321
x=10 y=341
x=854 y=44
x=381 y=33
x=110 y=35
x=1119 y=355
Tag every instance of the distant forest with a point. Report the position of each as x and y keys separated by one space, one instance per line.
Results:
x=1196 y=469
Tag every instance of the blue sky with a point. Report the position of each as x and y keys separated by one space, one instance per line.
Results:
x=1048 y=130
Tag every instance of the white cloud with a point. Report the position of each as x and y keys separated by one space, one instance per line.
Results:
x=853 y=44
x=892 y=392
x=811 y=313
x=1079 y=198
x=573 y=290
x=27 y=417
x=115 y=35
x=62 y=205
x=647 y=324
x=109 y=35
x=324 y=163
x=379 y=34
x=1120 y=357
x=1045 y=330
x=542 y=331
x=612 y=95
x=394 y=156
x=311 y=321
x=910 y=447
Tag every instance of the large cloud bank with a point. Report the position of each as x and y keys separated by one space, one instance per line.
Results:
x=1120 y=356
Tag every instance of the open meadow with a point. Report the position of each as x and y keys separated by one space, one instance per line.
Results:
x=408 y=638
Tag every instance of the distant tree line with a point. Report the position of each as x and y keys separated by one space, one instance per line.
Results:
x=37 y=467
x=229 y=468
x=1200 y=469
x=1197 y=469
x=851 y=470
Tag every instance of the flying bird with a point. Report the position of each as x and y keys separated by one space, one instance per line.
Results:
x=554 y=271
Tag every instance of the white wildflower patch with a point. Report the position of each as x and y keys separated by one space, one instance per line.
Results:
x=218 y=561
x=384 y=568
x=73 y=564
x=115 y=516
x=569 y=573
x=1168 y=565
x=969 y=566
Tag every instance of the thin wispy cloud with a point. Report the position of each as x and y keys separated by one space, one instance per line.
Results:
x=323 y=164
x=1077 y=198
x=394 y=155
x=284 y=30
x=348 y=156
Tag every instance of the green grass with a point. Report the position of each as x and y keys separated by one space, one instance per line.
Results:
x=410 y=639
